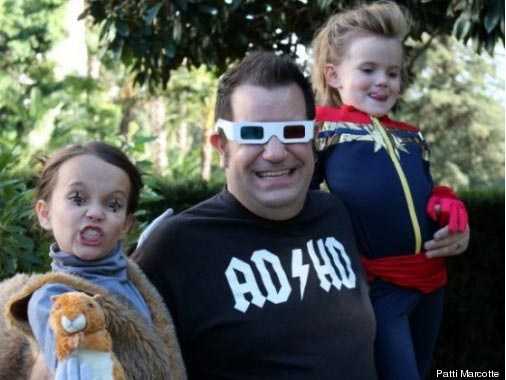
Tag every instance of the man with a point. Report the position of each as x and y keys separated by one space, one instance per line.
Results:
x=263 y=280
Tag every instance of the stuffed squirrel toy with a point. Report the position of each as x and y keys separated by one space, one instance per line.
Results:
x=78 y=322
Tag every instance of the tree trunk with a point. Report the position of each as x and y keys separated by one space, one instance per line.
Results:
x=157 y=116
x=207 y=148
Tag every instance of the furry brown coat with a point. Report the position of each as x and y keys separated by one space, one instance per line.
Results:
x=144 y=352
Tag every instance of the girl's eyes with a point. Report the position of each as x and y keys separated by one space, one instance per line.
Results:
x=77 y=199
x=370 y=70
x=114 y=205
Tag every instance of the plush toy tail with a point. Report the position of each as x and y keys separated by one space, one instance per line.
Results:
x=118 y=373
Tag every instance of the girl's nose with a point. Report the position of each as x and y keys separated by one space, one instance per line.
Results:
x=381 y=79
x=95 y=212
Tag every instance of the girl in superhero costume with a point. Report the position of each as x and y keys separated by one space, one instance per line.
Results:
x=380 y=169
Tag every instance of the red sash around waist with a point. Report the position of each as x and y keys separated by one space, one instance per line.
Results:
x=410 y=271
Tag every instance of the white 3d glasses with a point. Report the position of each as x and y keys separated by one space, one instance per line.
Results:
x=246 y=132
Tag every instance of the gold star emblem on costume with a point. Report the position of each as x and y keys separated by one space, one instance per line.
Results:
x=374 y=135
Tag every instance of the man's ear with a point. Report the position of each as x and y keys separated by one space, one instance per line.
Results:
x=332 y=76
x=215 y=139
x=129 y=221
x=43 y=214
x=220 y=143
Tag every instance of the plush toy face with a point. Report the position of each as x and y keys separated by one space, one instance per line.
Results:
x=74 y=312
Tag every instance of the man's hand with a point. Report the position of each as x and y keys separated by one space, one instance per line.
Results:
x=446 y=243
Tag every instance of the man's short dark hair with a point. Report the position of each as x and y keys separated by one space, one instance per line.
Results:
x=263 y=69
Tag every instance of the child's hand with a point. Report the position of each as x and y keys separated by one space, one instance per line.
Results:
x=447 y=209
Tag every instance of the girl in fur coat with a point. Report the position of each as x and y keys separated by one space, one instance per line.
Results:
x=86 y=196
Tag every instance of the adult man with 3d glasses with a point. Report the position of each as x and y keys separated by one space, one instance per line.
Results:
x=263 y=280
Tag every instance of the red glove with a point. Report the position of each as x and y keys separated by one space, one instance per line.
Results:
x=452 y=210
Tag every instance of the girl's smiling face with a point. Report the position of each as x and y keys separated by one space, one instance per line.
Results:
x=86 y=210
x=369 y=77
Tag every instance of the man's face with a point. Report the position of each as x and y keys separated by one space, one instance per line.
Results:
x=271 y=180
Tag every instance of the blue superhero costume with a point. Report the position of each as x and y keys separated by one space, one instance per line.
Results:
x=380 y=170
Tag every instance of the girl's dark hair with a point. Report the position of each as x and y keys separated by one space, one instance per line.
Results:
x=101 y=150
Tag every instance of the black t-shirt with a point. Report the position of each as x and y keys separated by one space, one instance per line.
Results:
x=258 y=299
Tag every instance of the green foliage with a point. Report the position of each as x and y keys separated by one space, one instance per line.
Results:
x=479 y=21
x=190 y=99
x=461 y=121
x=42 y=113
x=38 y=111
x=155 y=37
x=28 y=26
x=19 y=251
x=29 y=29
x=180 y=195
x=164 y=193
x=472 y=331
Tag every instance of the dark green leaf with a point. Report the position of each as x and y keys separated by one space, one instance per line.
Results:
x=177 y=30
x=208 y=9
x=117 y=47
x=84 y=14
x=181 y=4
x=5 y=159
x=106 y=28
x=140 y=78
x=141 y=140
x=490 y=45
x=152 y=12
x=493 y=16
x=9 y=182
x=31 y=261
x=24 y=242
x=462 y=27
x=122 y=28
x=14 y=229
x=170 y=48
x=235 y=4
x=11 y=265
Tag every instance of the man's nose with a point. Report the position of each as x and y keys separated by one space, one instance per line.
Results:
x=274 y=150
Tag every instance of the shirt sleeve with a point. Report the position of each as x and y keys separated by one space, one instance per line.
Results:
x=39 y=308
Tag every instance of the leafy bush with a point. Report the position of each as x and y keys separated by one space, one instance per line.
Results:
x=181 y=195
x=19 y=248
x=472 y=330
x=160 y=194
